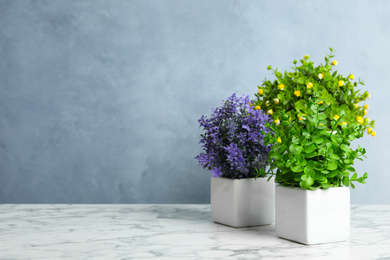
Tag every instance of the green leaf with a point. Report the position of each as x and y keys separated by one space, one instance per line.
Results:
x=332 y=174
x=295 y=149
x=307 y=180
x=301 y=160
x=346 y=181
x=300 y=105
x=310 y=164
x=361 y=180
x=354 y=177
x=318 y=166
x=309 y=148
x=322 y=116
x=326 y=186
x=335 y=156
x=332 y=165
x=297 y=168
x=304 y=185
x=319 y=140
x=311 y=155
x=345 y=148
x=314 y=108
x=321 y=179
x=269 y=67
x=308 y=171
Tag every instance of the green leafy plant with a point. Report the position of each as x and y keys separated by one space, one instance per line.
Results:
x=335 y=93
x=316 y=116
x=314 y=156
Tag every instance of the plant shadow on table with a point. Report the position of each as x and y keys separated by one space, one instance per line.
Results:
x=201 y=215
x=263 y=234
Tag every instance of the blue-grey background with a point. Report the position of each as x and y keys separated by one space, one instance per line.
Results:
x=99 y=100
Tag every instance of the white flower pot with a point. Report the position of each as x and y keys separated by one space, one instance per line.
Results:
x=313 y=217
x=243 y=202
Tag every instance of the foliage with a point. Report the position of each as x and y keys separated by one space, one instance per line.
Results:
x=316 y=115
x=334 y=92
x=233 y=144
x=308 y=154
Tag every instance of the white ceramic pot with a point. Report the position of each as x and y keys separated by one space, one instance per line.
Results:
x=313 y=217
x=243 y=202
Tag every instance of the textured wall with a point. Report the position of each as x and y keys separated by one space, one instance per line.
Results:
x=99 y=100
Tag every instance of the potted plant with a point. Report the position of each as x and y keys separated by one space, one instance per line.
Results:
x=235 y=153
x=316 y=116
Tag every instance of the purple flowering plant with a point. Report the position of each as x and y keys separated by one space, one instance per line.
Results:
x=233 y=140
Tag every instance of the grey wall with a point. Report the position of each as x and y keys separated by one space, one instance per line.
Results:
x=99 y=100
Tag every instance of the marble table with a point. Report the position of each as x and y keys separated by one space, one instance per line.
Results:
x=170 y=232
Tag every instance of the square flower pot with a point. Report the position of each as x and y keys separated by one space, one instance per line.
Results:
x=313 y=217
x=242 y=202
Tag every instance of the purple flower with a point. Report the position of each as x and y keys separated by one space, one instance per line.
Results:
x=233 y=145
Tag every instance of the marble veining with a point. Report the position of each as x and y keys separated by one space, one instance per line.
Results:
x=170 y=232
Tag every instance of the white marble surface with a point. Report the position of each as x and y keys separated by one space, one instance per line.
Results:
x=170 y=232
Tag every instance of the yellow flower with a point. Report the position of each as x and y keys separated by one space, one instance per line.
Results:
x=366 y=106
x=344 y=123
x=250 y=104
x=355 y=105
x=373 y=133
x=270 y=112
x=303 y=117
x=369 y=130
x=279 y=140
x=357 y=100
x=368 y=96
x=281 y=86
x=289 y=119
x=261 y=91
x=309 y=85
x=334 y=63
x=336 y=117
x=341 y=83
x=320 y=124
x=359 y=119
x=320 y=76
x=351 y=76
x=365 y=112
x=306 y=57
x=319 y=103
x=276 y=100
x=277 y=122
x=297 y=93
x=257 y=108
x=367 y=119
x=267 y=103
